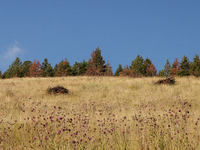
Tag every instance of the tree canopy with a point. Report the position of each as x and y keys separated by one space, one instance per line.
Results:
x=96 y=66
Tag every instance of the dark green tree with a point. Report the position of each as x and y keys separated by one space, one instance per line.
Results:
x=4 y=75
x=25 y=68
x=15 y=69
x=83 y=67
x=165 y=72
x=167 y=68
x=79 y=69
x=76 y=69
x=184 y=67
x=50 y=71
x=55 y=69
x=137 y=66
x=161 y=73
x=147 y=64
x=44 y=67
x=47 y=69
x=119 y=69
x=0 y=74
x=195 y=66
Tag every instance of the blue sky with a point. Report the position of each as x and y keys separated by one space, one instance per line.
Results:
x=72 y=29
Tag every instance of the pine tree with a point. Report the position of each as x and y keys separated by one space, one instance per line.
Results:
x=79 y=69
x=127 y=72
x=184 y=67
x=15 y=69
x=167 y=68
x=0 y=74
x=108 y=70
x=195 y=66
x=47 y=70
x=161 y=73
x=50 y=71
x=44 y=67
x=147 y=64
x=35 y=69
x=175 y=68
x=55 y=69
x=76 y=69
x=64 y=69
x=96 y=65
x=119 y=69
x=83 y=67
x=152 y=70
x=25 y=69
x=4 y=75
x=137 y=66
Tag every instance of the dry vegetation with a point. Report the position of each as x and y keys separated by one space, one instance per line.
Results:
x=99 y=113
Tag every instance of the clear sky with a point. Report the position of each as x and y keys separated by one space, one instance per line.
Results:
x=72 y=29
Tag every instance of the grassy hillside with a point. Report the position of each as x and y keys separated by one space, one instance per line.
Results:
x=99 y=113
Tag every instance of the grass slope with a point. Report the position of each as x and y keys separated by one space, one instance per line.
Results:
x=99 y=113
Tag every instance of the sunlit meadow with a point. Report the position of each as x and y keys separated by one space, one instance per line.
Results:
x=100 y=113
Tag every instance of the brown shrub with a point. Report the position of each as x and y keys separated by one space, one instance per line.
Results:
x=57 y=90
x=169 y=80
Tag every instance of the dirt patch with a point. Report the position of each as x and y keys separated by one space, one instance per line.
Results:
x=57 y=90
x=169 y=81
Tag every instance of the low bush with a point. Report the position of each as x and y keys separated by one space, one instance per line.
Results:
x=57 y=90
x=169 y=80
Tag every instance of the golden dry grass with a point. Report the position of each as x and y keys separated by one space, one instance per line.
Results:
x=133 y=102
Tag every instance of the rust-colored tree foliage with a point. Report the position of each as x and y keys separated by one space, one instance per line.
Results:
x=64 y=69
x=108 y=69
x=152 y=70
x=93 y=70
x=127 y=72
x=97 y=65
x=35 y=69
x=175 y=68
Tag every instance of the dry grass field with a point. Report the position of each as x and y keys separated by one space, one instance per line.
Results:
x=110 y=113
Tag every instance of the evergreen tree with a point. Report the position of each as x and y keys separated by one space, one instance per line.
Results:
x=167 y=69
x=195 y=66
x=25 y=69
x=44 y=67
x=152 y=70
x=55 y=69
x=97 y=65
x=83 y=67
x=161 y=73
x=4 y=75
x=0 y=74
x=79 y=69
x=137 y=66
x=47 y=70
x=108 y=70
x=15 y=69
x=184 y=67
x=64 y=69
x=35 y=69
x=76 y=69
x=119 y=69
x=50 y=71
x=127 y=72
x=175 y=68
x=147 y=64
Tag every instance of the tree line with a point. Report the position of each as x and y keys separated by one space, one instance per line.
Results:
x=96 y=66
